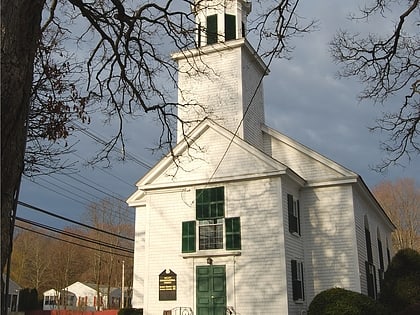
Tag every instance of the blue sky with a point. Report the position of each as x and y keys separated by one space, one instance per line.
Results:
x=303 y=99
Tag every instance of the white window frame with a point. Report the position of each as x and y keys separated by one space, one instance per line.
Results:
x=220 y=223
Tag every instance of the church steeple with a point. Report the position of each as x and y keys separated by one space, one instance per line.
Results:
x=221 y=79
x=220 y=20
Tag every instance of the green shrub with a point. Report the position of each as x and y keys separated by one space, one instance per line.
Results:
x=411 y=310
x=130 y=311
x=338 y=301
x=401 y=286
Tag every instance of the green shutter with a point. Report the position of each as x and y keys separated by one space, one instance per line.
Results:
x=233 y=233
x=292 y=218
x=188 y=237
x=297 y=284
x=381 y=255
x=371 y=279
x=230 y=27
x=298 y=217
x=368 y=246
x=211 y=30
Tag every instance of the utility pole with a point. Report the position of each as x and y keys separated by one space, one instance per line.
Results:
x=122 y=286
x=98 y=282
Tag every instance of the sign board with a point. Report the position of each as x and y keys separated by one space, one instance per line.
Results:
x=167 y=286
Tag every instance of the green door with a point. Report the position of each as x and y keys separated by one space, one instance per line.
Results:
x=211 y=290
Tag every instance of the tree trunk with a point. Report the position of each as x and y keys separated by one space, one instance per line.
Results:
x=20 y=32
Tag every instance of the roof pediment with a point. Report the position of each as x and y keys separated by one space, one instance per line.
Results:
x=211 y=154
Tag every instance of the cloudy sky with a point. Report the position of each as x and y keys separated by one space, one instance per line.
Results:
x=303 y=99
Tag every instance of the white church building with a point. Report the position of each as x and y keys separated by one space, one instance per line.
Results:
x=247 y=220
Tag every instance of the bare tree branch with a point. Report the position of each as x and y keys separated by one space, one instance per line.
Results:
x=388 y=67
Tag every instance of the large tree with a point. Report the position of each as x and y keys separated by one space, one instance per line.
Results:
x=386 y=61
x=20 y=32
x=401 y=201
x=127 y=46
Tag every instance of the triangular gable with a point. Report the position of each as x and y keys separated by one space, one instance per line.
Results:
x=211 y=154
x=76 y=287
x=307 y=163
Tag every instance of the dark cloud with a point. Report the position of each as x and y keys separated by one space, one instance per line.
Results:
x=304 y=100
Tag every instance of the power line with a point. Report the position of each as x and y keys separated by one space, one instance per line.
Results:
x=78 y=188
x=103 y=170
x=70 y=242
x=56 y=191
x=71 y=193
x=95 y=188
x=26 y=205
x=103 y=187
x=98 y=139
x=74 y=235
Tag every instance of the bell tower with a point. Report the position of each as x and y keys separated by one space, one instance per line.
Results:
x=222 y=78
x=221 y=20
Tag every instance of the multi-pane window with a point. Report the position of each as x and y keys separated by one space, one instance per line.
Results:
x=50 y=300
x=297 y=280
x=214 y=230
x=211 y=234
x=293 y=210
x=210 y=211
x=368 y=242
x=210 y=203
x=370 y=267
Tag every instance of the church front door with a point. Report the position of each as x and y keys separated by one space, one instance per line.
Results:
x=211 y=290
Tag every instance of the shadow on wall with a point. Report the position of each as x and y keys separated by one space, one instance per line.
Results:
x=261 y=264
x=329 y=245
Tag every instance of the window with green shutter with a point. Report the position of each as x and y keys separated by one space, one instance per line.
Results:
x=230 y=27
x=297 y=280
x=211 y=30
x=233 y=233
x=210 y=211
x=188 y=237
x=293 y=210
x=371 y=279
x=211 y=230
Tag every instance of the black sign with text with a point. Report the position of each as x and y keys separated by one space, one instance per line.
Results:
x=167 y=286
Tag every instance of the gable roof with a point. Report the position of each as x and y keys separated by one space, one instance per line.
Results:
x=228 y=158
x=13 y=286
x=307 y=163
x=322 y=171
